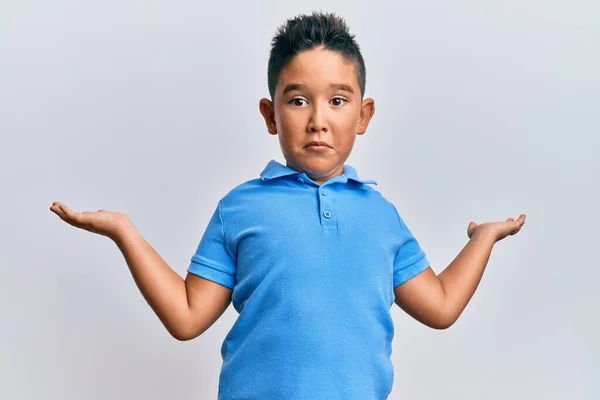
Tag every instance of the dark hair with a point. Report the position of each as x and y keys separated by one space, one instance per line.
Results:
x=306 y=32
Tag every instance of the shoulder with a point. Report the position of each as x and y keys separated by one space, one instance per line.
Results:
x=249 y=197
x=385 y=208
x=377 y=198
x=242 y=191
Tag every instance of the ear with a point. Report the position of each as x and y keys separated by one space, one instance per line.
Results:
x=367 y=110
x=268 y=112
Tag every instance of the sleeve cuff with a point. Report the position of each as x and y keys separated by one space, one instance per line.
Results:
x=212 y=274
x=410 y=271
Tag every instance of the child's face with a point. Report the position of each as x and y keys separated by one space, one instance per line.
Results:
x=317 y=99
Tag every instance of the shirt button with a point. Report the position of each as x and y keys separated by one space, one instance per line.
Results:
x=326 y=214
x=300 y=180
x=324 y=192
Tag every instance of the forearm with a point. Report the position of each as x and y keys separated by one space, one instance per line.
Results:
x=438 y=300
x=162 y=287
x=461 y=278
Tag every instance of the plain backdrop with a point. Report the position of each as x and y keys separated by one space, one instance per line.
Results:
x=485 y=110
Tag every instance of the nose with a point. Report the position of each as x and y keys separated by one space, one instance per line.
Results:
x=318 y=120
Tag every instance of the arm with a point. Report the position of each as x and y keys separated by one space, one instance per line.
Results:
x=187 y=307
x=438 y=301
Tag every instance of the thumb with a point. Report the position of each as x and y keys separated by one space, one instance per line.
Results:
x=470 y=228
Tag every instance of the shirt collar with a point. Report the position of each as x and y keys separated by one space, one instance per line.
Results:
x=274 y=169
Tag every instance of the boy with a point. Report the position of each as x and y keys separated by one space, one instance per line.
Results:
x=311 y=256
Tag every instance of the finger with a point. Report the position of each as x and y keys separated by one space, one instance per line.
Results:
x=470 y=228
x=66 y=210
x=58 y=211
x=518 y=224
x=71 y=216
x=55 y=208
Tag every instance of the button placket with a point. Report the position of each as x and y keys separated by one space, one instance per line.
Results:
x=327 y=211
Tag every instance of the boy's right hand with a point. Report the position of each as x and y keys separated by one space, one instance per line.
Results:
x=106 y=223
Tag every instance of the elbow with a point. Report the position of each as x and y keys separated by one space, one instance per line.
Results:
x=182 y=337
x=441 y=325
x=183 y=334
x=445 y=316
x=443 y=321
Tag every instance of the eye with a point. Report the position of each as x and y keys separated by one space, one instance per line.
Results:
x=295 y=101
x=340 y=101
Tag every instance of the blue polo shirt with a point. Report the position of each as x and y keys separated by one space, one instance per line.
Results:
x=313 y=270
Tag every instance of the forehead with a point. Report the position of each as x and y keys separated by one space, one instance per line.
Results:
x=318 y=68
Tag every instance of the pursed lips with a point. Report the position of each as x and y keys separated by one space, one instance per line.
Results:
x=317 y=144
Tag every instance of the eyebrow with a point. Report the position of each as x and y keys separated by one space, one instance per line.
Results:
x=298 y=86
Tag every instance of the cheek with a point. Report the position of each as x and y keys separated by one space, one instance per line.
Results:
x=346 y=122
x=285 y=123
x=291 y=125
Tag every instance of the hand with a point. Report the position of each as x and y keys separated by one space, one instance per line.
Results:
x=496 y=230
x=106 y=223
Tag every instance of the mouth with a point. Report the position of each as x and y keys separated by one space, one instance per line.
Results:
x=317 y=146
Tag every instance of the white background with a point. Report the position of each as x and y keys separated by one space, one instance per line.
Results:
x=485 y=110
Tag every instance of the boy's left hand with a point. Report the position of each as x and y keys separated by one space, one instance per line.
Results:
x=495 y=230
x=438 y=300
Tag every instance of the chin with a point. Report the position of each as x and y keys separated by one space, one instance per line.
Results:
x=317 y=167
x=313 y=164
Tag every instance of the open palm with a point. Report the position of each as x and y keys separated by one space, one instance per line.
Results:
x=106 y=223
x=496 y=230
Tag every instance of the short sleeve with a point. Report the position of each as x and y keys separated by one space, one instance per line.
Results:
x=213 y=260
x=410 y=259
